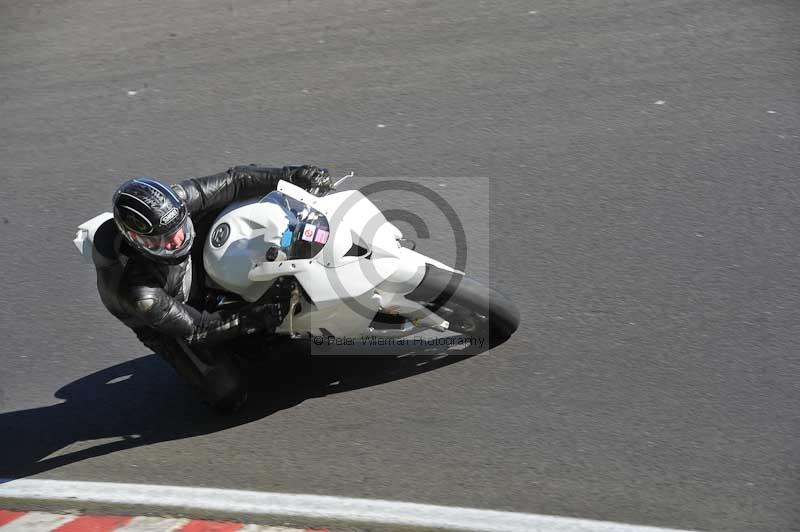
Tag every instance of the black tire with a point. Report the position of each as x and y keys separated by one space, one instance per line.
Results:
x=471 y=307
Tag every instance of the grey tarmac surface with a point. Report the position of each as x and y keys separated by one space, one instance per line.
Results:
x=644 y=200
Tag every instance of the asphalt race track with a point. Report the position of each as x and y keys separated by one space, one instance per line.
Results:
x=642 y=160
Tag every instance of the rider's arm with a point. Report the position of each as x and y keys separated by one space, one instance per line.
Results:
x=170 y=317
x=238 y=183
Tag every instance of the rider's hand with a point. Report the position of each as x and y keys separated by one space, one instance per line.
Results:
x=276 y=302
x=270 y=313
x=276 y=313
x=312 y=178
x=261 y=317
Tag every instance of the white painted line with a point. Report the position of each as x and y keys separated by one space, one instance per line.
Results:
x=151 y=524
x=37 y=522
x=315 y=507
x=260 y=528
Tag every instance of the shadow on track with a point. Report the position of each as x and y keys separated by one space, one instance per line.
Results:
x=142 y=401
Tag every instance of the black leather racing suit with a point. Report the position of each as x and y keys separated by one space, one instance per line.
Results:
x=164 y=304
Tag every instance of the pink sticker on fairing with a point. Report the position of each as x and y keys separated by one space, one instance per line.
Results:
x=322 y=236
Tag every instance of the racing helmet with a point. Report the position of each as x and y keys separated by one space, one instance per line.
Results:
x=153 y=220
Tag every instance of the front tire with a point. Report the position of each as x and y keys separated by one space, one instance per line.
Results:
x=470 y=307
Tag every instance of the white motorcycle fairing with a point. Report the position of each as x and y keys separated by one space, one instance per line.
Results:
x=362 y=269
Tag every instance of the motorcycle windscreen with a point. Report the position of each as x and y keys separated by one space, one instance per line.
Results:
x=307 y=230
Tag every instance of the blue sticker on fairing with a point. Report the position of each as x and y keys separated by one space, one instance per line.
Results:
x=286 y=239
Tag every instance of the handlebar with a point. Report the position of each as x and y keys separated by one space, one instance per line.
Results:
x=315 y=190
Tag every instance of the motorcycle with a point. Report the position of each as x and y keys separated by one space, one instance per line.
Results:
x=348 y=271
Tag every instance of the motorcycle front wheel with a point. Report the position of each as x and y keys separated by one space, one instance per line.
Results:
x=471 y=308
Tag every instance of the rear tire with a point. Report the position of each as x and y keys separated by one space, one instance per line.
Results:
x=470 y=307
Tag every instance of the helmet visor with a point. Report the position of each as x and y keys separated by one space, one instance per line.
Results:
x=171 y=244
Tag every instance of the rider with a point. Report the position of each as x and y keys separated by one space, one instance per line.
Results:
x=149 y=272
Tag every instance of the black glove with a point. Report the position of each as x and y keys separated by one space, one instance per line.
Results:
x=315 y=180
x=263 y=316
x=274 y=305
